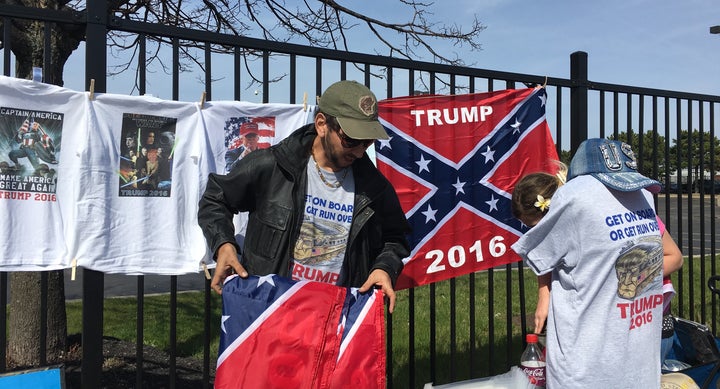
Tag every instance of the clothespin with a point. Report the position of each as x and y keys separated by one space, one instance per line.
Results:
x=91 y=96
x=202 y=100
x=37 y=74
x=304 y=101
x=74 y=268
x=207 y=272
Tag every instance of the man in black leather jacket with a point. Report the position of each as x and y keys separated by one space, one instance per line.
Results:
x=272 y=185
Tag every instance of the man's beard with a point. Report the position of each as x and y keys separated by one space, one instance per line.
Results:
x=328 y=151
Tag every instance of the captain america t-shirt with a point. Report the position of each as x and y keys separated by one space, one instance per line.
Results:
x=320 y=248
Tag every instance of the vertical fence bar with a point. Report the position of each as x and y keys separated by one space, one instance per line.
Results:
x=655 y=172
x=206 y=339
x=208 y=71
x=616 y=114
x=266 y=76
x=509 y=296
x=681 y=189
x=453 y=298
x=433 y=307
x=237 y=66
x=7 y=45
x=471 y=293
x=142 y=64
x=578 y=99
x=293 y=78
x=491 y=296
x=713 y=229
x=628 y=118
x=691 y=271
x=140 y=331
x=701 y=187
x=318 y=77
x=343 y=70
x=173 y=331
x=47 y=55
x=3 y=320
x=173 y=279
x=666 y=120
x=43 y=317
x=93 y=281
x=367 y=75
x=641 y=133
x=508 y=313
x=389 y=322
x=602 y=114
x=175 y=68
x=521 y=289
x=411 y=291
x=140 y=295
x=559 y=122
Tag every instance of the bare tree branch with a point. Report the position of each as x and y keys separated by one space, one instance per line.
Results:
x=317 y=23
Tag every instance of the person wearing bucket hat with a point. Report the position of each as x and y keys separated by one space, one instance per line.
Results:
x=600 y=242
x=319 y=209
x=613 y=163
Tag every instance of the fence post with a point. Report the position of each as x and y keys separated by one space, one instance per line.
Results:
x=578 y=99
x=93 y=281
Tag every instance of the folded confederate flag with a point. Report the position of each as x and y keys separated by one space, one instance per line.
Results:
x=279 y=333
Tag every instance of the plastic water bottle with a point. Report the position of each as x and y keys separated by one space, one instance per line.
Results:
x=532 y=362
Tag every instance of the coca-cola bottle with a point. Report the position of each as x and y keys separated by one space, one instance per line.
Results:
x=532 y=362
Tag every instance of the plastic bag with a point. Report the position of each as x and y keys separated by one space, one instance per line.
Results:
x=514 y=379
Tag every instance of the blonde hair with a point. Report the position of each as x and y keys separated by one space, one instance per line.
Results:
x=532 y=193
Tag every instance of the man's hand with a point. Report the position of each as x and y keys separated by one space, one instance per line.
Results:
x=227 y=264
x=382 y=279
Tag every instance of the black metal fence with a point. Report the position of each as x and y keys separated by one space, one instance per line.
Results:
x=459 y=340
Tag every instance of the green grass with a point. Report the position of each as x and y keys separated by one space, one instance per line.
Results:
x=491 y=354
x=690 y=282
x=120 y=320
x=474 y=356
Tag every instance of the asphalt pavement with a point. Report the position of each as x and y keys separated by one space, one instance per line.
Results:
x=117 y=285
x=693 y=229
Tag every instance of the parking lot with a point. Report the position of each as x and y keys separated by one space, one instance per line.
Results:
x=692 y=221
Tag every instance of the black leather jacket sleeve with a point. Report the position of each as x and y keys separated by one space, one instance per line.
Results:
x=394 y=238
x=225 y=196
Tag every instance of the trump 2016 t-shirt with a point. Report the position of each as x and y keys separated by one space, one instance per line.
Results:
x=605 y=254
x=320 y=248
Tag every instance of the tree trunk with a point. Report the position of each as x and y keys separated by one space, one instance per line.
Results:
x=24 y=316
x=24 y=344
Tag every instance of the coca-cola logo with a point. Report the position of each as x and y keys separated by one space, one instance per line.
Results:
x=534 y=372
x=536 y=375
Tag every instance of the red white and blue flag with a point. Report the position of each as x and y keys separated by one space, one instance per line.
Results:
x=453 y=161
x=280 y=333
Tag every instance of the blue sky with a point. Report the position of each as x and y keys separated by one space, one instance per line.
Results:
x=651 y=43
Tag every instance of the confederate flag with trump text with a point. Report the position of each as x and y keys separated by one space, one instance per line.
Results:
x=454 y=161
x=280 y=333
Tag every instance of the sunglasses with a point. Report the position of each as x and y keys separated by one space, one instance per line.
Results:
x=350 y=143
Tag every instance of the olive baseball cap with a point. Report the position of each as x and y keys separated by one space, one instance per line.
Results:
x=356 y=109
